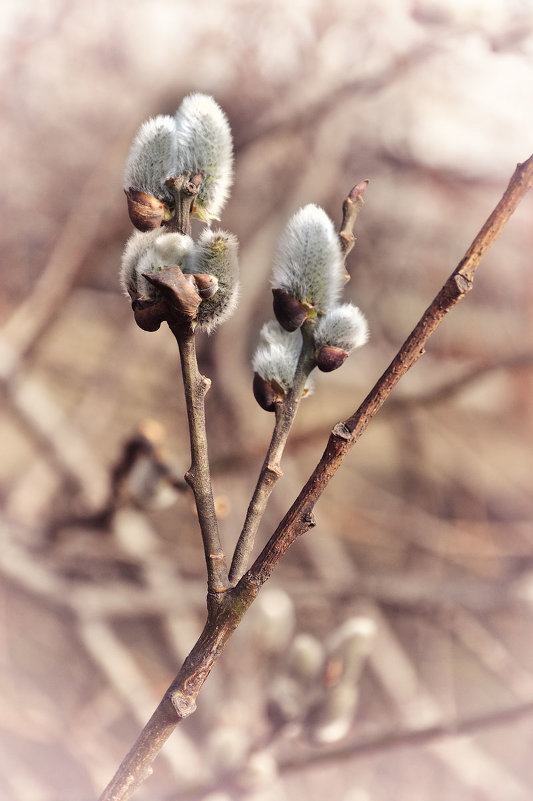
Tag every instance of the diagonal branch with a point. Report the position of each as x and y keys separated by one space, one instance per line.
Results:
x=299 y=518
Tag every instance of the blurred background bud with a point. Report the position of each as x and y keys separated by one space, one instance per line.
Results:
x=272 y=619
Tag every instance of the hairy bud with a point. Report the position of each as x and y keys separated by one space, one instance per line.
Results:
x=144 y=256
x=290 y=313
x=204 y=145
x=309 y=263
x=152 y=158
x=215 y=255
x=329 y=358
x=338 y=332
x=274 y=363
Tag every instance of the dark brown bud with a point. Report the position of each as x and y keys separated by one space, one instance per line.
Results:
x=328 y=358
x=206 y=284
x=179 y=292
x=146 y=212
x=149 y=314
x=290 y=313
x=264 y=394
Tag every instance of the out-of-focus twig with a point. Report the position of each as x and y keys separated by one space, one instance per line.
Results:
x=42 y=417
x=367 y=85
x=37 y=311
x=452 y=388
x=414 y=738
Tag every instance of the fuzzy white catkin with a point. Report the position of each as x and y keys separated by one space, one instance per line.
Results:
x=309 y=263
x=148 y=252
x=344 y=326
x=204 y=144
x=152 y=157
x=277 y=354
x=216 y=253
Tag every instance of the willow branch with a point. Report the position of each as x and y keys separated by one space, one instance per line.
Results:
x=299 y=518
x=198 y=476
x=286 y=411
x=271 y=470
x=180 y=699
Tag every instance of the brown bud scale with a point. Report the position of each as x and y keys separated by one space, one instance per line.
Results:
x=149 y=314
x=290 y=313
x=330 y=358
x=206 y=284
x=264 y=394
x=146 y=212
x=179 y=292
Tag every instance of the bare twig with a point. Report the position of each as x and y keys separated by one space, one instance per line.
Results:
x=198 y=476
x=448 y=390
x=180 y=699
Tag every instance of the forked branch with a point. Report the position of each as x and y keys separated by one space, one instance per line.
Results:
x=180 y=698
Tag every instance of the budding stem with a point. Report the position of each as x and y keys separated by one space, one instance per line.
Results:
x=285 y=412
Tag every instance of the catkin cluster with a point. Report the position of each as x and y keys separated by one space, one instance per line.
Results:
x=307 y=282
x=166 y=274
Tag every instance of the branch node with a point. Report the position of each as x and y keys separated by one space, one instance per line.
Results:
x=341 y=431
x=183 y=704
x=463 y=283
x=275 y=471
x=309 y=519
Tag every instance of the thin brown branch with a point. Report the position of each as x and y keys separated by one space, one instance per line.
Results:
x=415 y=738
x=198 y=476
x=299 y=518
